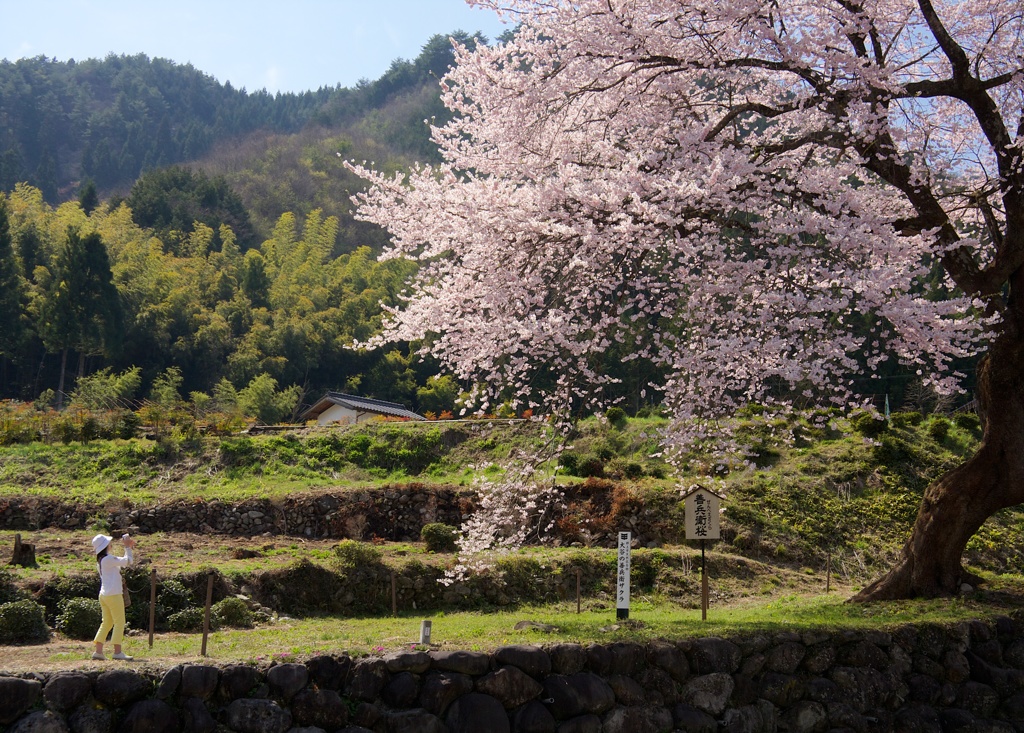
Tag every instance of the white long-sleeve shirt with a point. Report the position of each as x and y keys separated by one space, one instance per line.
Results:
x=110 y=572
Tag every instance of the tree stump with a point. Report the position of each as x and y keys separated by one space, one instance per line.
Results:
x=24 y=553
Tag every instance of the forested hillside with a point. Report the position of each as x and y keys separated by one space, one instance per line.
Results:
x=159 y=230
x=162 y=231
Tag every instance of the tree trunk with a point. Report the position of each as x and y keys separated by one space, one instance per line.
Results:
x=60 y=384
x=959 y=502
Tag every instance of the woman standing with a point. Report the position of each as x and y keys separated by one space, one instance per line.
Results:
x=111 y=593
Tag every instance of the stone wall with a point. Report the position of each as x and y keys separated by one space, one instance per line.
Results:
x=394 y=513
x=966 y=678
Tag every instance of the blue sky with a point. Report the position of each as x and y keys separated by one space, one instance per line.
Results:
x=286 y=45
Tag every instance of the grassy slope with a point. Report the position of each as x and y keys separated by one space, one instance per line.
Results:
x=827 y=488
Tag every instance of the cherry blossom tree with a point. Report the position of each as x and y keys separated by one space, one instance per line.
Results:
x=729 y=188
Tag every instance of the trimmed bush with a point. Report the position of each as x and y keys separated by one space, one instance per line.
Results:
x=868 y=425
x=188 y=621
x=352 y=554
x=617 y=417
x=173 y=597
x=23 y=622
x=439 y=537
x=79 y=618
x=939 y=428
x=232 y=612
x=8 y=589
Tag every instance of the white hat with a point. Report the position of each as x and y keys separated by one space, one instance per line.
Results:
x=99 y=542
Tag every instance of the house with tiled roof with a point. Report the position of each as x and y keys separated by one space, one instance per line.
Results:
x=345 y=409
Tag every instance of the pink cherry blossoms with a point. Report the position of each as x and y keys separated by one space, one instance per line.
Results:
x=726 y=187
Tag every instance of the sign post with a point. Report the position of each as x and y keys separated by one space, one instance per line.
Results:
x=622 y=594
x=702 y=508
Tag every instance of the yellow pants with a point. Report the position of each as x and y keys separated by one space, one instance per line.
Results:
x=113 y=617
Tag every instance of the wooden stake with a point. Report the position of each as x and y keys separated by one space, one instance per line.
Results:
x=579 y=575
x=703 y=585
x=828 y=572
x=152 y=605
x=206 y=614
x=394 y=594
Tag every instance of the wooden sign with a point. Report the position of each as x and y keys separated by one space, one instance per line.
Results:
x=702 y=515
x=622 y=594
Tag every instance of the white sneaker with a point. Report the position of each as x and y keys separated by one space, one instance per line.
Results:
x=123 y=657
x=99 y=655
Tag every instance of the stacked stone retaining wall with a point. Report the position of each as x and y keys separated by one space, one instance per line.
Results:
x=393 y=513
x=965 y=678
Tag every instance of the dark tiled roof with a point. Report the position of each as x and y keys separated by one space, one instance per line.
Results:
x=360 y=404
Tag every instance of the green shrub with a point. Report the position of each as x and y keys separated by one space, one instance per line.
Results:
x=939 y=428
x=617 y=417
x=869 y=425
x=8 y=589
x=439 y=537
x=23 y=622
x=906 y=419
x=569 y=462
x=233 y=612
x=590 y=467
x=968 y=421
x=173 y=597
x=188 y=621
x=352 y=554
x=79 y=618
x=633 y=470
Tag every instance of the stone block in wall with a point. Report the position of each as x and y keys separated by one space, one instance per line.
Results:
x=196 y=716
x=463 y=662
x=120 y=687
x=533 y=717
x=637 y=720
x=367 y=679
x=151 y=716
x=757 y=718
x=977 y=698
x=628 y=658
x=199 y=680
x=569 y=696
x=532 y=660
x=257 y=716
x=169 y=683
x=581 y=724
x=41 y=721
x=440 y=689
x=415 y=662
x=64 y=692
x=87 y=719
x=692 y=720
x=287 y=679
x=238 y=680
x=669 y=657
x=806 y=717
x=709 y=692
x=17 y=696
x=627 y=690
x=712 y=654
x=510 y=686
x=320 y=708
x=329 y=672
x=785 y=657
x=782 y=690
x=413 y=721
x=402 y=691
x=567 y=658
x=659 y=688
x=477 y=712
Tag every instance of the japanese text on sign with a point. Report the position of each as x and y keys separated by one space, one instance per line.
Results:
x=622 y=594
x=702 y=510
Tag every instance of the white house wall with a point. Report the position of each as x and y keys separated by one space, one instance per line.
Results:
x=338 y=414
